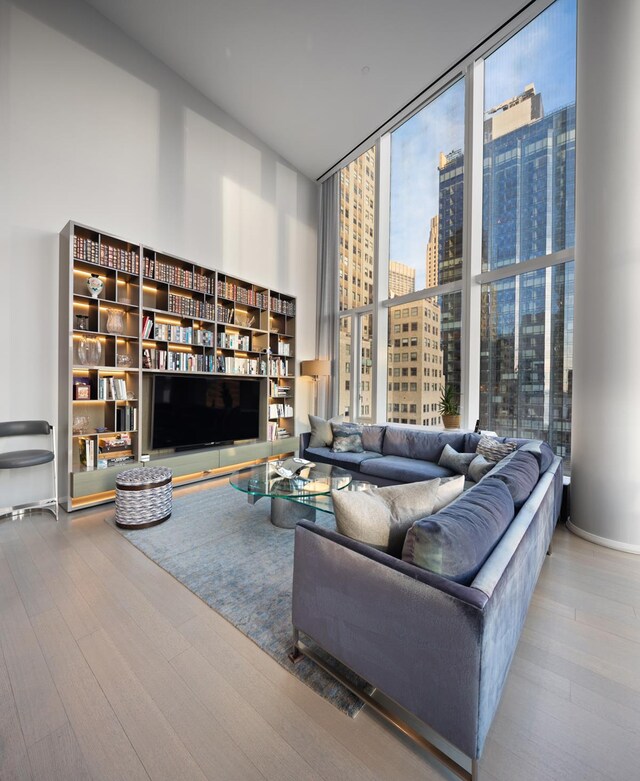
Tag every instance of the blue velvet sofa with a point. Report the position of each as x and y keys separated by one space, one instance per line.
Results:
x=439 y=648
x=396 y=454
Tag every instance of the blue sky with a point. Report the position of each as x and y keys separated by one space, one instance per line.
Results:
x=544 y=52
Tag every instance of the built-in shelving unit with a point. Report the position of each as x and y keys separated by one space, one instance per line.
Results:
x=156 y=313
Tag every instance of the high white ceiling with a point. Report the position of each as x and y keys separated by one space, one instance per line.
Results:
x=311 y=78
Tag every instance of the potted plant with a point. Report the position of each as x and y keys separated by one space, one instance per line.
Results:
x=449 y=409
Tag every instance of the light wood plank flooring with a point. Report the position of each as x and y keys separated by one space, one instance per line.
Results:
x=110 y=669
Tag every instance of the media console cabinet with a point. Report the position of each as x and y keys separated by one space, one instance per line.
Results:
x=129 y=312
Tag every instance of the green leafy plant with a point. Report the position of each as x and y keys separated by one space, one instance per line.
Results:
x=448 y=404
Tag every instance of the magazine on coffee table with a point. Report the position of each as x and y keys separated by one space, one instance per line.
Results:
x=292 y=466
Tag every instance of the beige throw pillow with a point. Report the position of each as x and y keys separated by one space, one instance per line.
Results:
x=381 y=517
x=321 y=433
x=449 y=489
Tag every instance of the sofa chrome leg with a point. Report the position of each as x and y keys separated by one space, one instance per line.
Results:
x=475 y=770
x=550 y=549
x=295 y=655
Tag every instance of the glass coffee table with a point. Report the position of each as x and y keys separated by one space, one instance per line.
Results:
x=294 y=498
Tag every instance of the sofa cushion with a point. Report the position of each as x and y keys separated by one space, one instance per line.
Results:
x=321 y=434
x=457 y=462
x=347 y=438
x=346 y=460
x=404 y=470
x=372 y=438
x=520 y=473
x=381 y=516
x=417 y=443
x=541 y=450
x=492 y=450
x=457 y=541
x=479 y=467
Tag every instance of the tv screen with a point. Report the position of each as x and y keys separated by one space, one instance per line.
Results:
x=196 y=411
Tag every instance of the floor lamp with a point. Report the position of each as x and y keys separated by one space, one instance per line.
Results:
x=316 y=369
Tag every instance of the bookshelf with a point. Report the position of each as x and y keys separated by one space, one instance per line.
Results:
x=157 y=313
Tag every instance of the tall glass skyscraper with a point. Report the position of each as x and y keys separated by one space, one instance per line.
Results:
x=527 y=319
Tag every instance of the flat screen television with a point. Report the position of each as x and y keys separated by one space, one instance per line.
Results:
x=191 y=412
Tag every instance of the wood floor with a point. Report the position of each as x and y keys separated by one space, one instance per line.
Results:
x=110 y=669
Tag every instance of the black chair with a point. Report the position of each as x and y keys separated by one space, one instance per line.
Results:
x=20 y=459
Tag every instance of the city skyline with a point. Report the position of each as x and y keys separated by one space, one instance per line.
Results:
x=543 y=53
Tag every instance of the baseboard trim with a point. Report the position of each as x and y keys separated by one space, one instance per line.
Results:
x=625 y=547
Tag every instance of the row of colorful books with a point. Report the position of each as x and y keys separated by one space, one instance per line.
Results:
x=242 y=295
x=275 y=432
x=282 y=307
x=232 y=365
x=279 y=367
x=126 y=418
x=176 y=333
x=231 y=341
x=170 y=360
x=190 y=307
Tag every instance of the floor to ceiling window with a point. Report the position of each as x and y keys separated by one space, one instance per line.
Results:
x=425 y=251
x=528 y=213
x=493 y=225
x=356 y=286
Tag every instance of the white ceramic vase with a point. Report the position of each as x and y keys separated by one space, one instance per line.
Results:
x=95 y=285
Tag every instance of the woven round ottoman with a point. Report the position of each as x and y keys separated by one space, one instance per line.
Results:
x=143 y=497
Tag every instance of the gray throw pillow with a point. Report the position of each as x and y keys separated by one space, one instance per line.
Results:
x=380 y=517
x=479 y=467
x=493 y=450
x=321 y=434
x=347 y=438
x=457 y=462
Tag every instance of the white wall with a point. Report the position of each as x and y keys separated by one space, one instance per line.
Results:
x=605 y=489
x=95 y=129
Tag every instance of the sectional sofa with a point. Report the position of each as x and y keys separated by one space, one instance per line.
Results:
x=436 y=639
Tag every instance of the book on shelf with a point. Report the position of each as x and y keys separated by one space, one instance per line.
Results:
x=86 y=451
x=116 y=443
x=126 y=418
x=112 y=388
x=280 y=411
x=106 y=460
x=279 y=367
x=279 y=390
x=147 y=326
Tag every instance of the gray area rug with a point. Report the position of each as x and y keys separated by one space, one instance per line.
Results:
x=229 y=554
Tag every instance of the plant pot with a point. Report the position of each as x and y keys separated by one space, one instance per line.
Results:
x=451 y=421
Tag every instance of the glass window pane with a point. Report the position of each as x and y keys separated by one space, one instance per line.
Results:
x=526 y=369
x=436 y=322
x=427 y=172
x=529 y=141
x=344 y=368
x=357 y=226
x=365 y=406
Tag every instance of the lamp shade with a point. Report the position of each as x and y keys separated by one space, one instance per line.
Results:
x=316 y=368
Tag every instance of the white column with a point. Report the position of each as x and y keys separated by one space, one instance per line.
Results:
x=605 y=472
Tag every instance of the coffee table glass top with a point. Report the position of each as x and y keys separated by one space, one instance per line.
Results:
x=263 y=480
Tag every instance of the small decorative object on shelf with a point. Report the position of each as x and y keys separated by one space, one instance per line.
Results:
x=80 y=424
x=82 y=351
x=95 y=351
x=81 y=391
x=95 y=285
x=82 y=322
x=124 y=361
x=243 y=319
x=115 y=321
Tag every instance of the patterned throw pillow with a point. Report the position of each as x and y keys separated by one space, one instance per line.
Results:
x=493 y=450
x=347 y=438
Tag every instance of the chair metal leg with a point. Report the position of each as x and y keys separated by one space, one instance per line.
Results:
x=55 y=470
